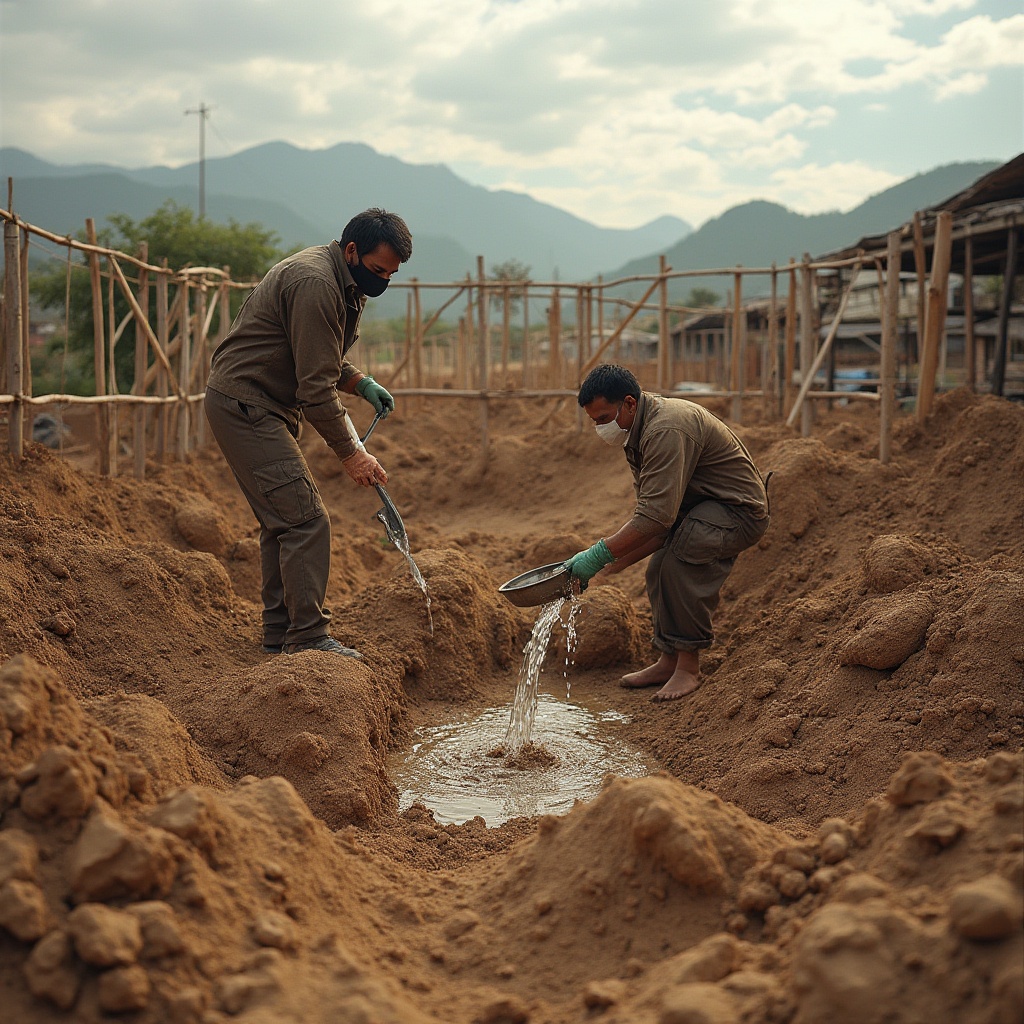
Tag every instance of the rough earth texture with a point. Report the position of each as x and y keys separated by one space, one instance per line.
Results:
x=194 y=832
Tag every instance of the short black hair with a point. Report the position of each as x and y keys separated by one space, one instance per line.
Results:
x=375 y=227
x=608 y=381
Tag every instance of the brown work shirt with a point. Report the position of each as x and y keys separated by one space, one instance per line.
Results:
x=681 y=454
x=285 y=351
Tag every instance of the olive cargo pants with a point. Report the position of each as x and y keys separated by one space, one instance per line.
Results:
x=295 y=530
x=685 y=576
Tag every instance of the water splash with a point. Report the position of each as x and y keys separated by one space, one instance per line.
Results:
x=524 y=704
x=401 y=541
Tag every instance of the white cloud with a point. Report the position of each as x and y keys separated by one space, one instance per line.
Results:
x=617 y=109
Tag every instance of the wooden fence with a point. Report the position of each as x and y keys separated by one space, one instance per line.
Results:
x=492 y=345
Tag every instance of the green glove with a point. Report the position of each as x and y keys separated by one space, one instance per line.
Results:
x=585 y=564
x=377 y=396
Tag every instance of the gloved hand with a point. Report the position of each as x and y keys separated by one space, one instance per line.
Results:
x=377 y=396
x=585 y=564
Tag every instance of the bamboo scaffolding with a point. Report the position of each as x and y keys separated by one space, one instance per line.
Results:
x=141 y=356
x=890 y=340
x=808 y=378
x=935 y=314
x=12 y=338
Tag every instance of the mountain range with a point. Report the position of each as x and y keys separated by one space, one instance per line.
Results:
x=305 y=196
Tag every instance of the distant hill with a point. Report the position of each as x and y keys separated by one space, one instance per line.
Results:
x=753 y=234
x=306 y=196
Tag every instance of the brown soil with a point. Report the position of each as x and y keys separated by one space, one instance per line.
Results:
x=194 y=832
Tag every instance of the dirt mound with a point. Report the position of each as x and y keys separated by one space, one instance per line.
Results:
x=192 y=831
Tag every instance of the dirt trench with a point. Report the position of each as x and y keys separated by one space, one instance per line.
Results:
x=192 y=831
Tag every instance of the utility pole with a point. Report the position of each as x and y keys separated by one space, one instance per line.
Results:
x=204 y=112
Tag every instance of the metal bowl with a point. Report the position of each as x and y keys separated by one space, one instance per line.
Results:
x=538 y=586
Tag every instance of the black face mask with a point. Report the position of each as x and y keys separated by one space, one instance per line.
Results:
x=367 y=281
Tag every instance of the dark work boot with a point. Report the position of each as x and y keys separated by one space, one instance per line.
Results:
x=323 y=643
x=273 y=648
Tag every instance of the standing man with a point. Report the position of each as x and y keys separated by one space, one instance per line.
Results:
x=283 y=358
x=699 y=502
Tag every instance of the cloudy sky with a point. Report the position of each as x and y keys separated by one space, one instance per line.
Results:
x=616 y=110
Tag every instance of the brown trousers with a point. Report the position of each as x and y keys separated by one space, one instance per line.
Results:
x=685 y=576
x=295 y=531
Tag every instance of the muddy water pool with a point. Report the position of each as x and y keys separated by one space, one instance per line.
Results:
x=458 y=769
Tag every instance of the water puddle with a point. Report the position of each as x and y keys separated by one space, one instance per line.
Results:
x=459 y=770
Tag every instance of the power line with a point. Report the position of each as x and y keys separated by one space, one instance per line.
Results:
x=204 y=112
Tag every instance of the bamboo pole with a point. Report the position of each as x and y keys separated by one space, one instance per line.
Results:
x=890 y=306
x=774 y=377
x=467 y=370
x=483 y=357
x=99 y=353
x=139 y=383
x=417 y=336
x=807 y=347
x=1003 y=336
x=525 y=354
x=26 y=324
x=664 y=355
x=15 y=352
x=614 y=336
x=790 y=356
x=736 y=353
x=200 y=358
x=162 y=333
x=970 y=344
x=555 y=338
x=143 y=321
x=807 y=379
x=184 y=372
x=935 y=315
x=921 y=269
x=505 y=331
x=112 y=385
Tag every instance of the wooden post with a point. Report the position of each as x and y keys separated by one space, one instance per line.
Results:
x=200 y=358
x=935 y=317
x=736 y=353
x=184 y=370
x=807 y=341
x=417 y=336
x=12 y=336
x=664 y=355
x=774 y=377
x=525 y=355
x=505 y=332
x=468 y=337
x=970 y=354
x=600 y=311
x=482 y=356
x=790 y=358
x=26 y=318
x=1003 y=337
x=162 y=381
x=555 y=339
x=141 y=359
x=890 y=339
x=99 y=352
x=807 y=377
x=921 y=268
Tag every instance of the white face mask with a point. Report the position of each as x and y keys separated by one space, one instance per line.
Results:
x=611 y=432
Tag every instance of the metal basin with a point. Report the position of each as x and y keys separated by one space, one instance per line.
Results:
x=538 y=586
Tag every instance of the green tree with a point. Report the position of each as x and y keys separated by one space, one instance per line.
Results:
x=173 y=233
x=700 y=298
x=510 y=272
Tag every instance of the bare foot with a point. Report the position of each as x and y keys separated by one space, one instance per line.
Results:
x=654 y=675
x=681 y=684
